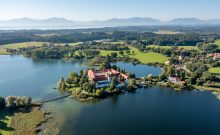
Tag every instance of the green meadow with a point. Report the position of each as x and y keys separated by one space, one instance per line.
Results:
x=5 y=119
x=143 y=57
x=214 y=70
x=217 y=42
x=27 y=44
x=18 y=45
x=168 y=47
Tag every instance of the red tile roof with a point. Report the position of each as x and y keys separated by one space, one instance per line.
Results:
x=99 y=75
x=216 y=55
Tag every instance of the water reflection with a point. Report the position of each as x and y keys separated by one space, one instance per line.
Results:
x=140 y=70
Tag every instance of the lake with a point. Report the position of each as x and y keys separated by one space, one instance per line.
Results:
x=153 y=110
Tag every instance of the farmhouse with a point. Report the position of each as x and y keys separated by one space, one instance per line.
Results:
x=102 y=78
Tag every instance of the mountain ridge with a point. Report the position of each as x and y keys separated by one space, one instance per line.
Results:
x=133 y=21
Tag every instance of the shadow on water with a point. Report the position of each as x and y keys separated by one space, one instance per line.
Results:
x=56 y=61
x=114 y=100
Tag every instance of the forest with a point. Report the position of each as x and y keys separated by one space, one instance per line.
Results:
x=188 y=35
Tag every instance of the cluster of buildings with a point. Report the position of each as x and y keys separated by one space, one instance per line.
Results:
x=215 y=56
x=176 y=80
x=102 y=78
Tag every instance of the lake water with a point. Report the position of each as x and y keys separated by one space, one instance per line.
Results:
x=153 y=111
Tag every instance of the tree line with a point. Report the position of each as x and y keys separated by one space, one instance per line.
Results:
x=90 y=35
x=15 y=102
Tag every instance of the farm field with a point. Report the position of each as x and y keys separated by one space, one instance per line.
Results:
x=148 y=57
x=214 y=70
x=145 y=58
x=27 y=44
x=185 y=47
x=18 y=45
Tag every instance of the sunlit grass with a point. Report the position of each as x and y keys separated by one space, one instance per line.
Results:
x=27 y=44
x=143 y=57
x=18 y=45
x=168 y=47
x=148 y=57
x=5 y=118
x=217 y=42
x=214 y=70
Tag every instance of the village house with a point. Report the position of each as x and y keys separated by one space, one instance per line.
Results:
x=102 y=78
x=176 y=80
x=216 y=56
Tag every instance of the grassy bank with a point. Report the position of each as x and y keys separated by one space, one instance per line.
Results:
x=3 y=52
x=5 y=121
x=207 y=88
x=21 y=121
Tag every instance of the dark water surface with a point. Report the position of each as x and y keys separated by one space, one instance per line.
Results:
x=148 y=111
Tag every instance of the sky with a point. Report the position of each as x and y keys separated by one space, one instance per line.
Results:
x=86 y=10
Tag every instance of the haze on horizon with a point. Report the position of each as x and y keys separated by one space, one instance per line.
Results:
x=86 y=10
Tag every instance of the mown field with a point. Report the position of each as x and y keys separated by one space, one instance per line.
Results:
x=145 y=58
x=18 y=45
x=26 y=44
x=214 y=70
x=148 y=57
x=168 y=47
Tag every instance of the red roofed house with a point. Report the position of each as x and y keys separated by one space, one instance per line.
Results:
x=216 y=56
x=102 y=78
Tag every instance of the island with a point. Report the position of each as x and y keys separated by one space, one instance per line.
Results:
x=98 y=83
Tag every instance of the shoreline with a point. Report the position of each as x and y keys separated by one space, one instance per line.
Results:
x=86 y=97
x=25 y=121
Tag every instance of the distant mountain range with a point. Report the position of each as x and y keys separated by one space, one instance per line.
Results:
x=135 y=21
x=33 y=22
